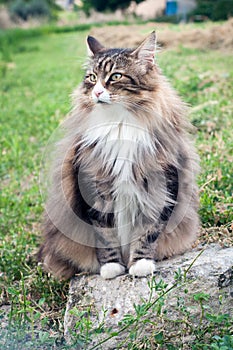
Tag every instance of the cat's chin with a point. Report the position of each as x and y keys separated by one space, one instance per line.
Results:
x=102 y=103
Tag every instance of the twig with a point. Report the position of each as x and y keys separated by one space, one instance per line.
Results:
x=207 y=183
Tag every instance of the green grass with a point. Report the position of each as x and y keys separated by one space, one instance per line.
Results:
x=37 y=75
x=35 y=96
x=204 y=79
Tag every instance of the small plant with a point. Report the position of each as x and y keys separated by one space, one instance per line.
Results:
x=155 y=324
x=222 y=343
x=25 y=9
x=20 y=9
x=215 y=10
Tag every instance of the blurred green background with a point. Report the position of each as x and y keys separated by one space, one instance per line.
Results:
x=42 y=50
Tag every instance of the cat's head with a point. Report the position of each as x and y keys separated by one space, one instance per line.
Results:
x=119 y=75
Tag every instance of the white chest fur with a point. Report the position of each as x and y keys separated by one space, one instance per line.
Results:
x=119 y=139
x=119 y=135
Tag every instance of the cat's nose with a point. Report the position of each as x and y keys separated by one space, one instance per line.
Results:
x=98 y=92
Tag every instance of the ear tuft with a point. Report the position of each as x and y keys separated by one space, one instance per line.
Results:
x=146 y=51
x=93 y=45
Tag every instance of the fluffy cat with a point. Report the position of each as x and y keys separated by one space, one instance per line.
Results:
x=123 y=192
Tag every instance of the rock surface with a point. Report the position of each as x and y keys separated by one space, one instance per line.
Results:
x=109 y=300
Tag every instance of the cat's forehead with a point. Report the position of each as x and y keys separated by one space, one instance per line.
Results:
x=110 y=59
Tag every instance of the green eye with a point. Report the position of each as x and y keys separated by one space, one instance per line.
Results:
x=115 y=76
x=93 y=78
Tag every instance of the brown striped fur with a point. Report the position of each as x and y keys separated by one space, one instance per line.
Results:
x=123 y=179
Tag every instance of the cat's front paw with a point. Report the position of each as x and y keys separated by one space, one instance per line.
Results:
x=111 y=270
x=142 y=267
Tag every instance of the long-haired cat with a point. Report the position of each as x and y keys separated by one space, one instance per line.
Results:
x=123 y=192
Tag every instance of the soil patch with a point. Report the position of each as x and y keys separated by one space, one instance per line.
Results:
x=217 y=36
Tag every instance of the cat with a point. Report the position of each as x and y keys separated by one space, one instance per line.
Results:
x=123 y=193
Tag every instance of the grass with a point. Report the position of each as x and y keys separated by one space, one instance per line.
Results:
x=204 y=79
x=38 y=73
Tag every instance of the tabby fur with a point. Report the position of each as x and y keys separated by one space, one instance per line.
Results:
x=124 y=191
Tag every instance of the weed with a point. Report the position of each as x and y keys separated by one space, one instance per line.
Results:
x=152 y=325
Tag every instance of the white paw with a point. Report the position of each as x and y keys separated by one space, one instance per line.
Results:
x=142 y=267
x=111 y=270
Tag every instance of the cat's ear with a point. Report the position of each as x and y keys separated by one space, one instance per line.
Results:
x=146 y=51
x=93 y=46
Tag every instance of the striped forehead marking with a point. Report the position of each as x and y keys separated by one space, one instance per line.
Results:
x=107 y=62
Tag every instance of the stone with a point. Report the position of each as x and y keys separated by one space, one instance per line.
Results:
x=105 y=302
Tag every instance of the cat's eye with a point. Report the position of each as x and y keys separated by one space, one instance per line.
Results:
x=115 y=77
x=93 y=78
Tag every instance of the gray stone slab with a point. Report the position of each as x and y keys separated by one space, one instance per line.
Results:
x=109 y=300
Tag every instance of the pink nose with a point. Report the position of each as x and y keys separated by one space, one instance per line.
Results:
x=98 y=92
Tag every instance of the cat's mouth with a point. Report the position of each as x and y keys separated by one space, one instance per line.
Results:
x=103 y=102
